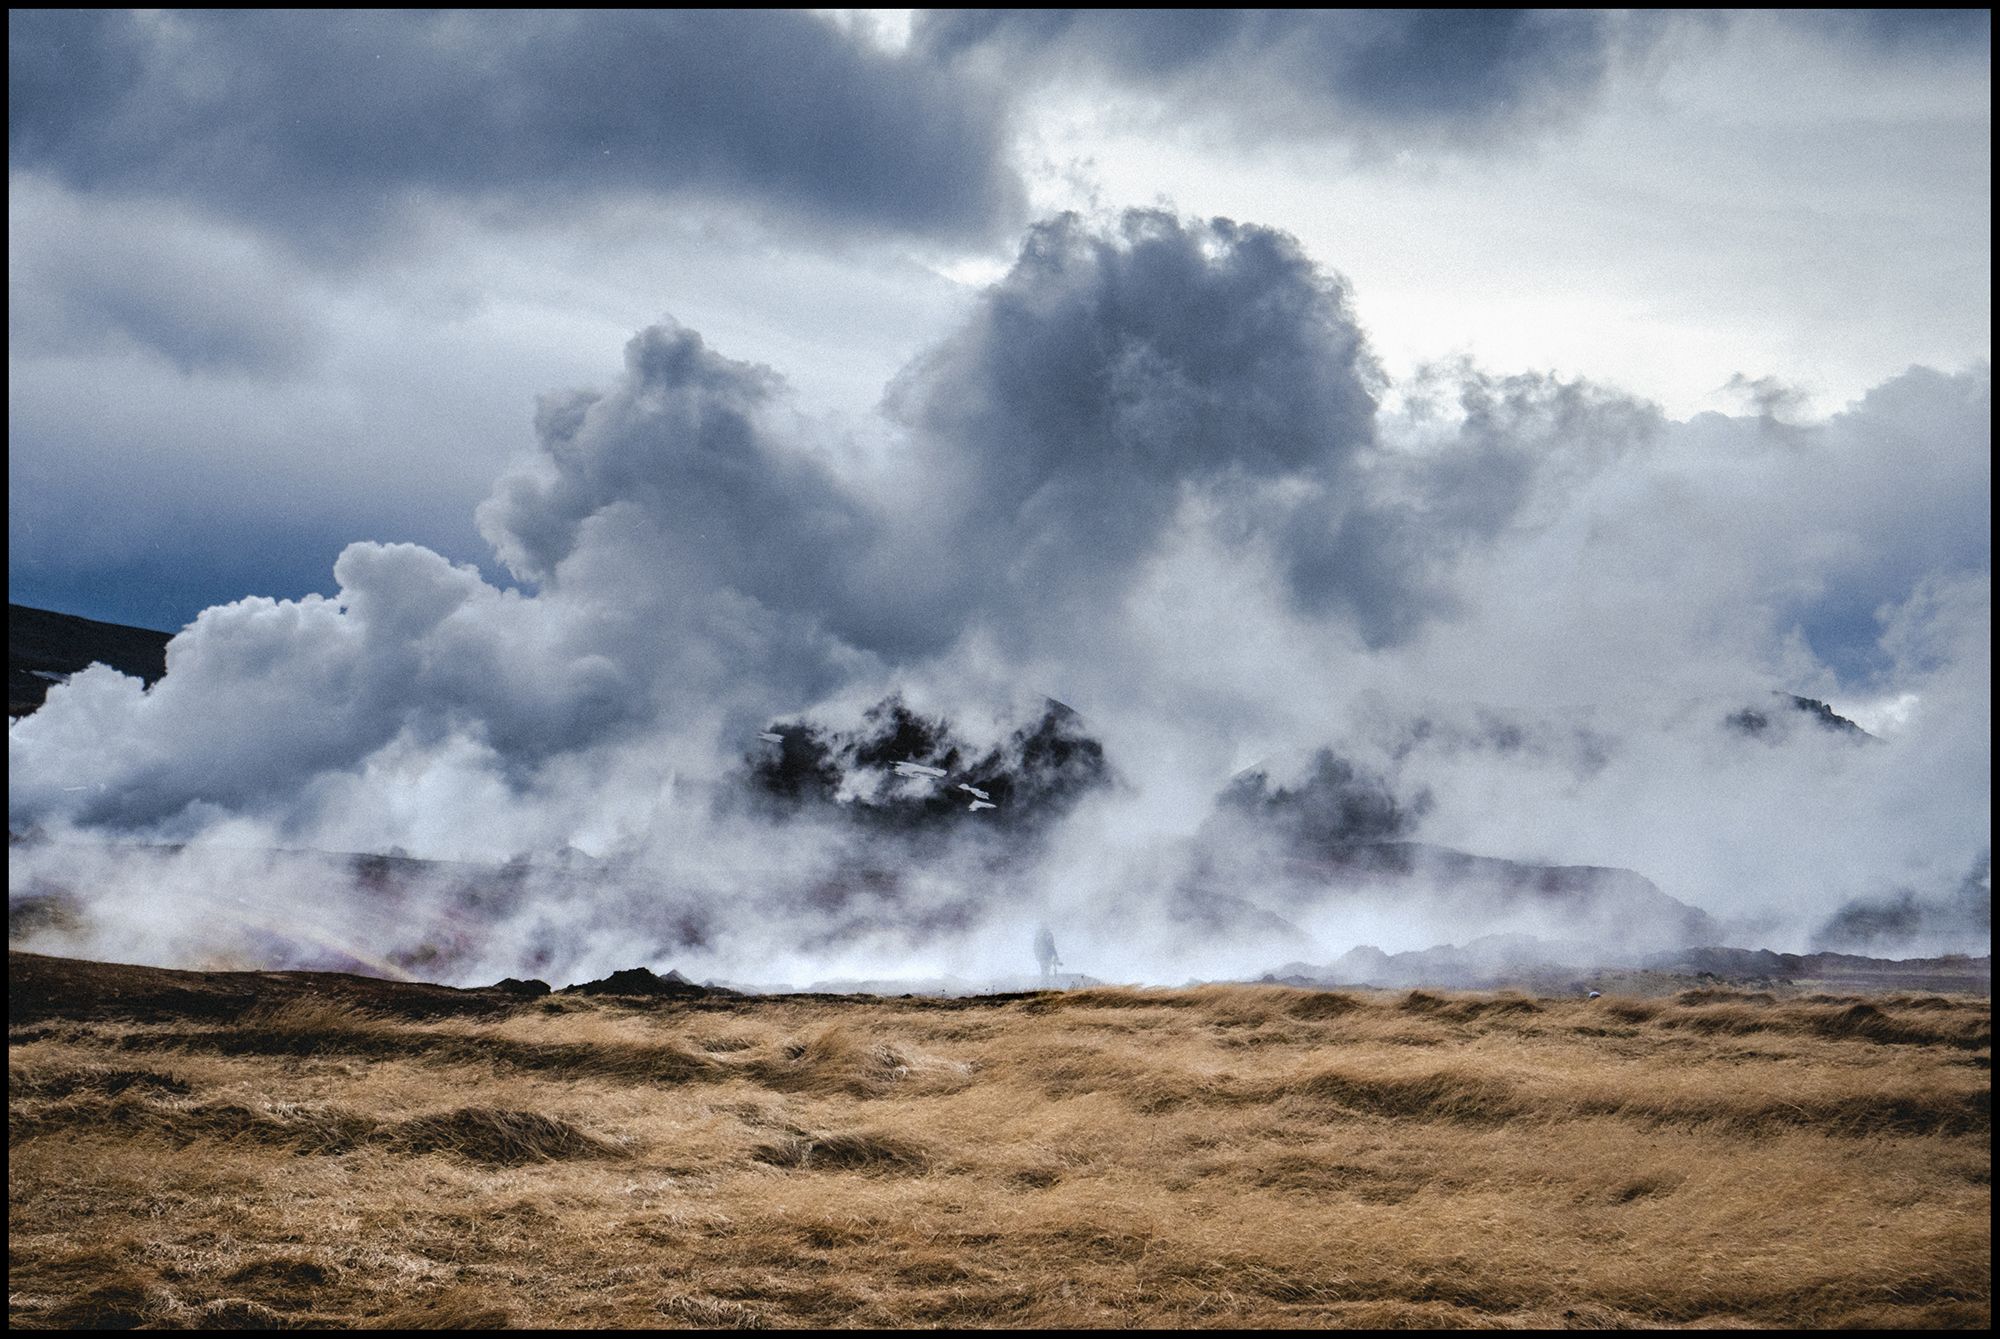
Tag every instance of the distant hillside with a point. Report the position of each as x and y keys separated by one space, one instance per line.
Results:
x=1551 y=966
x=44 y=648
x=1612 y=915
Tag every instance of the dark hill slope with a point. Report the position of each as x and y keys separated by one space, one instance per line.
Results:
x=44 y=647
x=41 y=988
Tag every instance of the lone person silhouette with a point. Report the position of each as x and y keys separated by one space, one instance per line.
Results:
x=1045 y=954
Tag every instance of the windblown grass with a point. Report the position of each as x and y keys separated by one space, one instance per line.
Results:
x=1218 y=1156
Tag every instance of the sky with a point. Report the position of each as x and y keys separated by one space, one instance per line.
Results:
x=506 y=403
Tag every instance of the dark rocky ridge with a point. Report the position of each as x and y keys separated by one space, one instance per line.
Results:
x=642 y=982
x=42 y=988
x=44 y=647
x=1752 y=722
x=1025 y=783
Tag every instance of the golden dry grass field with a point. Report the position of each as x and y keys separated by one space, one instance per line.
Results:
x=1226 y=1156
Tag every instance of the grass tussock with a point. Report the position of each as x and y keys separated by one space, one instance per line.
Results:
x=1855 y=1020
x=1122 y=997
x=454 y=1310
x=299 y=1127
x=313 y=1027
x=1440 y=1095
x=65 y=1080
x=1226 y=1157
x=1717 y=995
x=1318 y=1005
x=859 y=1151
x=236 y=1313
x=833 y=1060
x=497 y=1137
x=479 y=1134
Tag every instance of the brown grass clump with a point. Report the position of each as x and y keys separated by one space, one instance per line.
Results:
x=1716 y=995
x=62 y=1081
x=1629 y=1011
x=463 y=1313
x=312 y=1027
x=857 y=1151
x=236 y=1313
x=113 y=1305
x=1841 y=1019
x=501 y=1138
x=1122 y=997
x=830 y=1060
x=305 y=1128
x=1219 y=1156
x=1322 y=1004
x=1447 y=1095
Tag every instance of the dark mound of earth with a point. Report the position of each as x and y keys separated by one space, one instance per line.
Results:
x=41 y=988
x=642 y=981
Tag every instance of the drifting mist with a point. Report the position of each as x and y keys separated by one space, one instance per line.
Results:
x=1296 y=613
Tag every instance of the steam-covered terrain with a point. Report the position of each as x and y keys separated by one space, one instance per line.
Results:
x=922 y=836
x=1340 y=671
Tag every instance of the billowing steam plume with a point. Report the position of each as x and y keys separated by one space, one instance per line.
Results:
x=1349 y=663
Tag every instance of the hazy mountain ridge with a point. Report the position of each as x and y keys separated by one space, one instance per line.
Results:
x=1570 y=966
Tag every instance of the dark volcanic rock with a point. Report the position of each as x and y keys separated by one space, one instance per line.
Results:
x=44 y=648
x=1024 y=784
x=514 y=985
x=642 y=981
x=1754 y=723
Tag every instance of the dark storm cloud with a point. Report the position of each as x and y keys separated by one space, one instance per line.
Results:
x=324 y=124
x=1052 y=446
x=1111 y=376
x=1518 y=447
x=1899 y=499
x=1157 y=349
x=1475 y=455
x=1450 y=74
x=681 y=443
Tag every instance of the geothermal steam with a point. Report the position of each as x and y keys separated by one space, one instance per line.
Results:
x=1156 y=477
